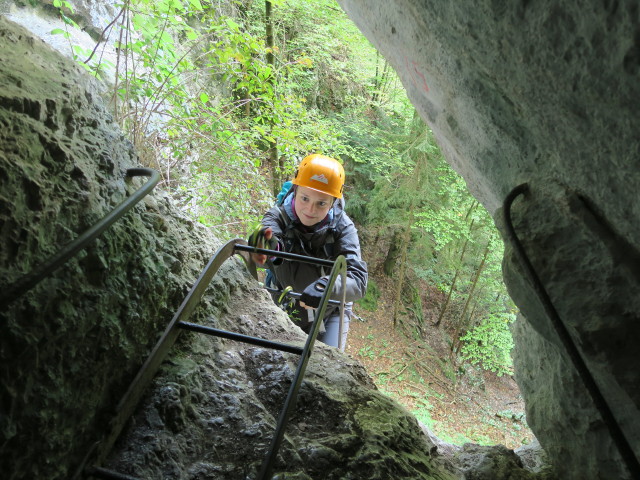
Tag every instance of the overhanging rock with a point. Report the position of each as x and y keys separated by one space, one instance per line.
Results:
x=548 y=94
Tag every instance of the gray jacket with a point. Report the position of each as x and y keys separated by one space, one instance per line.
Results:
x=336 y=237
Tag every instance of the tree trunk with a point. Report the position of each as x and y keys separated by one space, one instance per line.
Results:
x=381 y=79
x=275 y=166
x=463 y=323
x=406 y=238
x=453 y=282
x=376 y=80
x=448 y=299
x=413 y=181
x=390 y=260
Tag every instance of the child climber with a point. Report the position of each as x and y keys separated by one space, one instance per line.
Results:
x=311 y=221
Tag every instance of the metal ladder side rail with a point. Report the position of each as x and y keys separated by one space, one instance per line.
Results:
x=25 y=283
x=129 y=401
x=339 y=268
x=615 y=429
x=126 y=407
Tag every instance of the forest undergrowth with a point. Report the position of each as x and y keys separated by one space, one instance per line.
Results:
x=458 y=403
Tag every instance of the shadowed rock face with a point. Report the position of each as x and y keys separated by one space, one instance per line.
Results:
x=546 y=94
x=70 y=346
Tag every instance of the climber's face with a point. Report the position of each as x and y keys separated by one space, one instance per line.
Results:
x=312 y=206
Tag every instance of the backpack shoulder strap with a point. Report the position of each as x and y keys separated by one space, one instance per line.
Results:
x=329 y=249
x=285 y=218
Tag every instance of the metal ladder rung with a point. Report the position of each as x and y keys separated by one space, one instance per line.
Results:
x=295 y=295
x=261 y=342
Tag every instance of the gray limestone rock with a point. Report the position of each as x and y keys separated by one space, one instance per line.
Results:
x=546 y=93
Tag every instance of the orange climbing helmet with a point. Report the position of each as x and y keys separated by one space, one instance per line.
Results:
x=321 y=173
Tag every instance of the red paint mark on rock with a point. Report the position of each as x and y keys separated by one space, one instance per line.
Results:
x=417 y=77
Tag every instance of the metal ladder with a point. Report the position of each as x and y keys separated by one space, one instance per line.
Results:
x=91 y=465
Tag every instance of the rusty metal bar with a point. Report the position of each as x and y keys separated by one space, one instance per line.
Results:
x=286 y=255
x=615 y=430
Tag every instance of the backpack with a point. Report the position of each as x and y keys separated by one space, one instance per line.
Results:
x=286 y=188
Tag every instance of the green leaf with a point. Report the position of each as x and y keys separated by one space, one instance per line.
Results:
x=196 y=4
x=79 y=50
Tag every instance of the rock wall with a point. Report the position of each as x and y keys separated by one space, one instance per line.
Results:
x=71 y=345
x=548 y=94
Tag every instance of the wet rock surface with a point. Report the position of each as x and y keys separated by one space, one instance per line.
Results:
x=216 y=412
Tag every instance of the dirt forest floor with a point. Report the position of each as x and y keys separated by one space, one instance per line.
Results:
x=458 y=405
